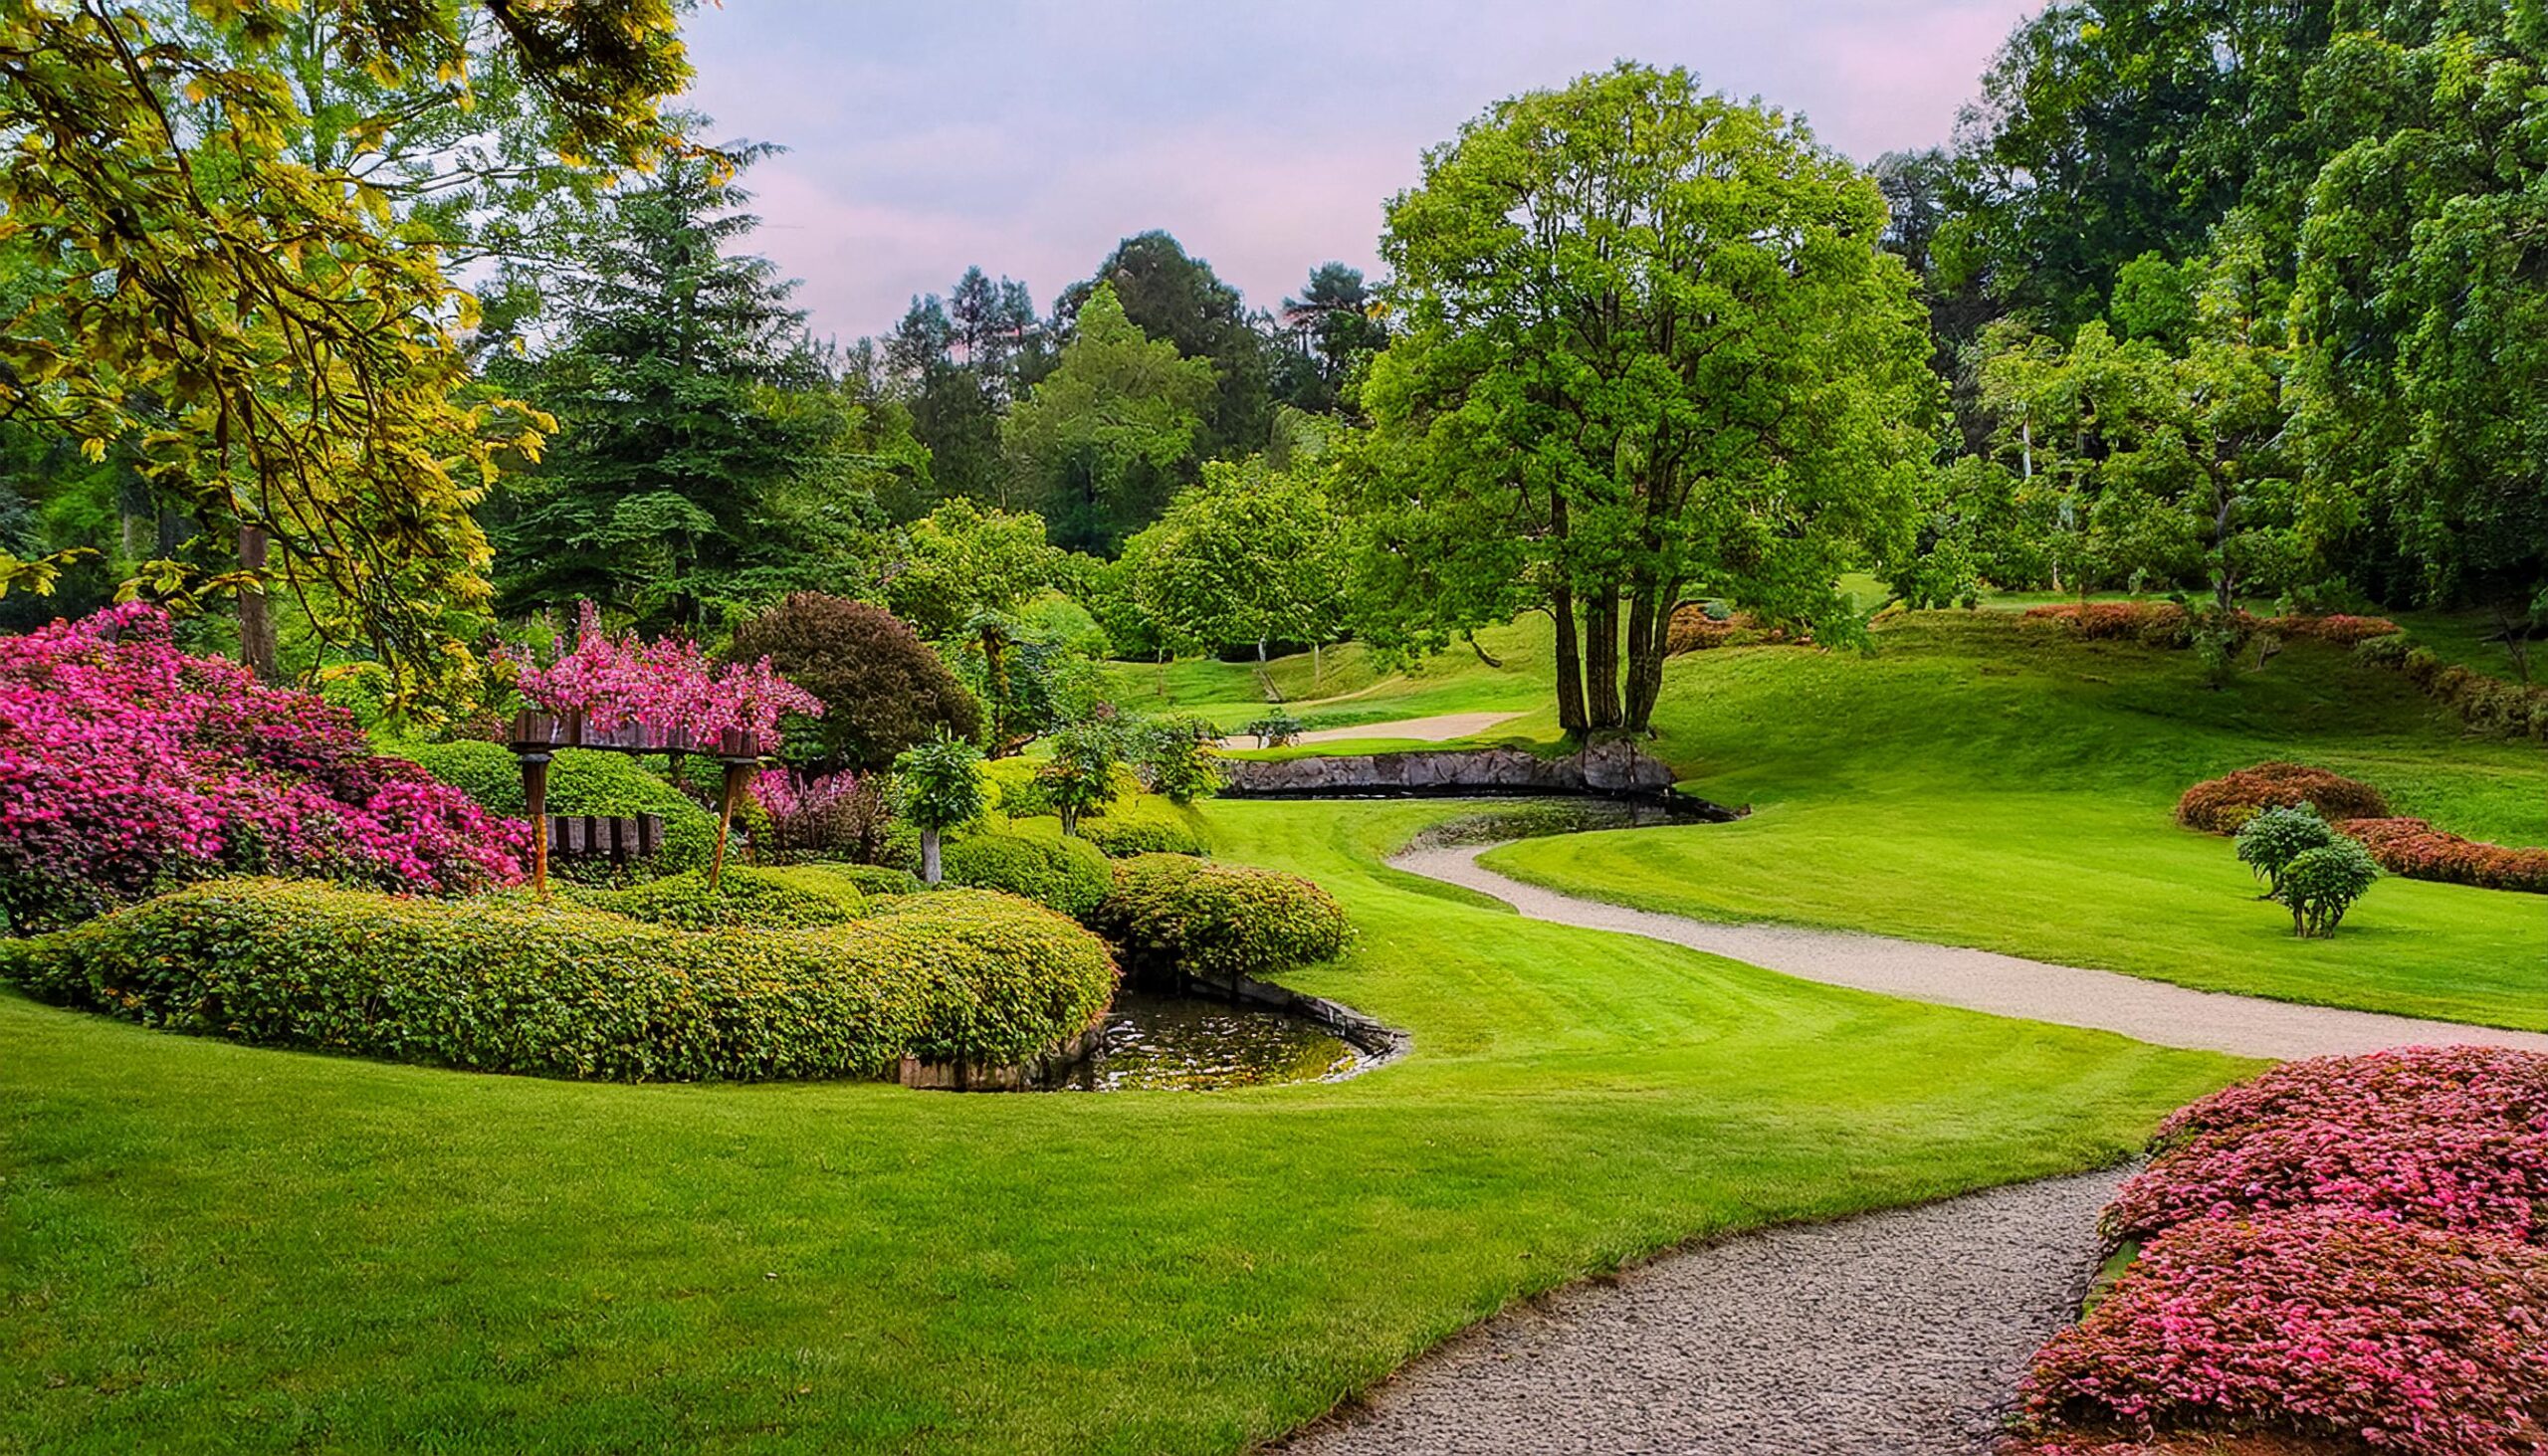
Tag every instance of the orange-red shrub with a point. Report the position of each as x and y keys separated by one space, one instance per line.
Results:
x=2338 y=627
x=2221 y=805
x=1693 y=630
x=2416 y=850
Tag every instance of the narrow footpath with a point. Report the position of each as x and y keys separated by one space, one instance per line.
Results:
x=1894 y=1334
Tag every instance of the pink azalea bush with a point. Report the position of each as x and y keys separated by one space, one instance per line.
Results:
x=127 y=766
x=2321 y=1321
x=2454 y=1138
x=831 y=813
x=617 y=681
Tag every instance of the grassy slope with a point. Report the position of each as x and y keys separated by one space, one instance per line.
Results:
x=1982 y=782
x=203 y=1244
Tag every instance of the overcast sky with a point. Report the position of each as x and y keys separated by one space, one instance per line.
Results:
x=1264 y=134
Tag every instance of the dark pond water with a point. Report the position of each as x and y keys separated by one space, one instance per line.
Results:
x=1185 y=1044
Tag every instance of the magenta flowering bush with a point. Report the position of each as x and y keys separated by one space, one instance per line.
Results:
x=2321 y=1321
x=835 y=813
x=617 y=680
x=2455 y=1138
x=127 y=766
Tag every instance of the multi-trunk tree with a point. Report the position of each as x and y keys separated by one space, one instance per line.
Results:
x=1651 y=348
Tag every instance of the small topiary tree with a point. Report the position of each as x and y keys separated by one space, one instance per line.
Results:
x=2320 y=884
x=1175 y=757
x=2270 y=842
x=882 y=688
x=1080 y=779
x=941 y=786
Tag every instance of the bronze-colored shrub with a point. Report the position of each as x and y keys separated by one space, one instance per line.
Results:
x=2221 y=805
x=883 y=689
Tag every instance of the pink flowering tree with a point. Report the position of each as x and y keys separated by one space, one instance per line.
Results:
x=127 y=766
x=615 y=680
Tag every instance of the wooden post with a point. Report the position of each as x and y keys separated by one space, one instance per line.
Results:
x=535 y=798
x=735 y=771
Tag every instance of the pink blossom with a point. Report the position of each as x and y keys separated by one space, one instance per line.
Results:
x=668 y=687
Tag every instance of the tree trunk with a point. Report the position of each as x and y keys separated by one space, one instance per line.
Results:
x=1601 y=660
x=1569 y=665
x=256 y=621
x=929 y=871
x=1649 y=635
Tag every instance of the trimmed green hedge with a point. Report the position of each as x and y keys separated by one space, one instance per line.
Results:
x=580 y=781
x=507 y=984
x=1067 y=875
x=871 y=878
x=1217 y=921
x=1122 y=839
x=760 y=900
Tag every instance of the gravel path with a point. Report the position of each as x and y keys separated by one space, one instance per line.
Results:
x=1896 y=1333
x=2148 y=1010
x=1438 y=729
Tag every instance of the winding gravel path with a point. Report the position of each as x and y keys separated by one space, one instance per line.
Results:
x=1896 y=1333
x=1982 y=980
x=1440 y=728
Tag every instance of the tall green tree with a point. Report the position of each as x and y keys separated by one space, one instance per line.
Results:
x=255 y=319
x=1097 y=447
x=1175 y=297
x=1251 y=555
x=1650 y=345
x=1332 y=326
x=2423 y=312
x=687 y=394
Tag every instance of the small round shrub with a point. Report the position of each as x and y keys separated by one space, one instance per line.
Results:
x=1067 y=875
x=1122 y=839
x=2321 y=883
x=580 y=781
x=2276 y=836
x=760 y=900
x=1016 y=789
x=510 y=984
x=1168 y=912
x=2221 y=805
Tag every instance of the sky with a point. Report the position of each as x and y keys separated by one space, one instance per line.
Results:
x=1266 y=134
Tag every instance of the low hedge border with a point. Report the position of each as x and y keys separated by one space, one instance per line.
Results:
x=507 y=984
x=1173 y=913
x=760 y=899
x=1065 y=875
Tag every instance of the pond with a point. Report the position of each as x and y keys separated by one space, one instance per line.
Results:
x=1193 y=1044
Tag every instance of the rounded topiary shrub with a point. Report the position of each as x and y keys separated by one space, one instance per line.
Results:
x=1123 y=839
x=1169 y=913
x=870 y=879
x=760 y=900
x=2223 y=806
x=580 y=781
x=508 y=984
x=1067 y=875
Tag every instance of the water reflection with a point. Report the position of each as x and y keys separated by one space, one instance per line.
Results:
x=1185 y=1044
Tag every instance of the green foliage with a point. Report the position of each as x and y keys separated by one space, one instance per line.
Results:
x=1169 y=913
x=276 y=346
x=1098 y=443
x=2321 y=883
x=695 y=411
x=1276 y=729
x=1121 y=838
x=961 y=560
x=1176 y=758
x=1017 y=788
x=1174 y=297
x=871 y=880
x=882 y=688
x=2276 y=836
x=1065 y=874
x=1032 y=675
x=1080 y=778
x=752 y=899
x=580 y=781
x=512 y=986
x=1651 y=348
x=940 y=781
x=1251 y=555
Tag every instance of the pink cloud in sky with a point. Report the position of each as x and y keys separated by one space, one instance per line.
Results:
x=1029 y=137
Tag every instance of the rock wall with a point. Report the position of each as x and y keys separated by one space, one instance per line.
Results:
x=1614 y=768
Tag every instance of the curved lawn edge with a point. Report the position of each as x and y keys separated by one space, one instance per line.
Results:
x=2145 y=1009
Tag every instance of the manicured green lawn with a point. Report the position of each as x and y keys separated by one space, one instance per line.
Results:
x=1982 y=782
x=208 y=1245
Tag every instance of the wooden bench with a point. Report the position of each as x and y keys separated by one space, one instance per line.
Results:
x=601 y=836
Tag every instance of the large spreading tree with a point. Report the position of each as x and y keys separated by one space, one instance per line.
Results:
x=1651 y=348
x=1098 y=445
x=264 y=324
